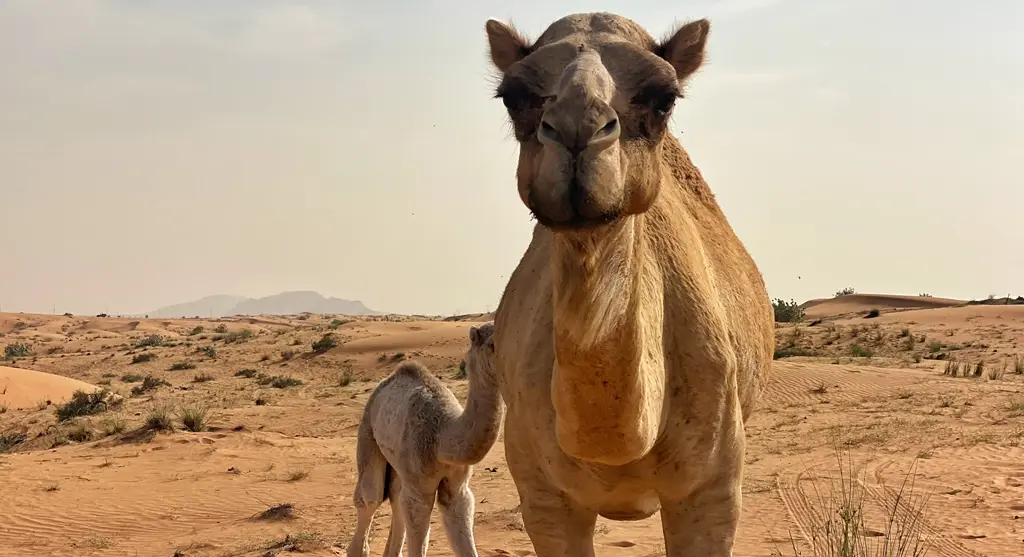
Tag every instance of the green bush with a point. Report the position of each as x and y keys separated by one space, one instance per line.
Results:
x=787 y=312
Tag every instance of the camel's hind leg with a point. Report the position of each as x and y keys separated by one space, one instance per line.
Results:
x=456 y=502
x=372 y=471
x=396 y=536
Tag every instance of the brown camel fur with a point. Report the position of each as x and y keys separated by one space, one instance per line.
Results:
x=417 y=443
x=635 y=336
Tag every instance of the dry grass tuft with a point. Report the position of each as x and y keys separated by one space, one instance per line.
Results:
x=282 y=511
x=840 y=527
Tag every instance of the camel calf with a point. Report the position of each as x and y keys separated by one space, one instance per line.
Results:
x=416 y=443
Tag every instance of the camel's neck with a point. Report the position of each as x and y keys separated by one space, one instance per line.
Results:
x=609 y=380
x=468 y=438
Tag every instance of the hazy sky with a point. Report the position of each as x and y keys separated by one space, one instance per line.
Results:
x=156 y=151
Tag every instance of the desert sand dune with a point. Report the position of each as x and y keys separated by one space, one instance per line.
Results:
x=24 y=388
x=861 y=303
x=123 y=489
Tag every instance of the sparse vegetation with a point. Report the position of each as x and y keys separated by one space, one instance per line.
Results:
x=193 y=418
x=202 y=378
x=180 y=366
x=791 y=351
x=839 y=517
x=79 y=434
x=11 y=439
x=248 y=373
x=325 y=343
x=149 y=383
x=787 y=312
x=859 y=351
x=278 y=381
x=16 y=350
x=220 y=329
x=346 y=378
x=845 y=292
x=83 y=404
x=159 y=419
x=151 y=341
x=283 y=511
x=131 y=378
x=872 y=313
x=241 y=335
x=113 y=425
x=208 y=351
x=198 y=330
x=142 y=358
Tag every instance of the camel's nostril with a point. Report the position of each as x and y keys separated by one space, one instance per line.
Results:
x=547 y=127
x=610 y=126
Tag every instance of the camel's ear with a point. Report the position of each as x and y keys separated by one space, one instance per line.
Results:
x=507 y=45
x=685 y=49
x=474 y=336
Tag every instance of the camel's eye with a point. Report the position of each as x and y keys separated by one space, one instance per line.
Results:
x=517 y=97
x=658 y=99
x=663 y=105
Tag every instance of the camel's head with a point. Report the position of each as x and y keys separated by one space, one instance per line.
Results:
x=590 y=102
x=480 y=357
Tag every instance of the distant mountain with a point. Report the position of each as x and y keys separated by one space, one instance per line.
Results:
x=288 y=303
x=210 y=306
x=285 y=303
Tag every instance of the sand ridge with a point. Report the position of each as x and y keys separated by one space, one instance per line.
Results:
x=23 y=388
x=130 y=491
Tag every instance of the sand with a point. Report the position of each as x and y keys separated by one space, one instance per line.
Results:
x=23 y=388
x=142 y=493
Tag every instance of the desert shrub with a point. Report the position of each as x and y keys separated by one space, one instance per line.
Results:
x=845 y=292
x=151 y=340
x=248 y=373
x=142 y=358
x=159 y=419
x=114 y=425
x=149 y=383
x=325 y=343
x=202 y=378
x=193 y=418
x=79 y=434
x=238 y=336
x=787 y=312
x=131 y=378
x=196 y=331
x=82 y=404
x=16 y=350
x=11 y=439
x=222 y=328
x=861 y=352
x=461 y=374
x=872 y=313
x=179 y=366
x=209 y=352
x=278 y=381
x=346 y=378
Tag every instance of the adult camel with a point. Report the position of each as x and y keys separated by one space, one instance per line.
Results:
x=635 y=336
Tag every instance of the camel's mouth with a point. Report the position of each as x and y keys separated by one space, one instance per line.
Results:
x=574 y=221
